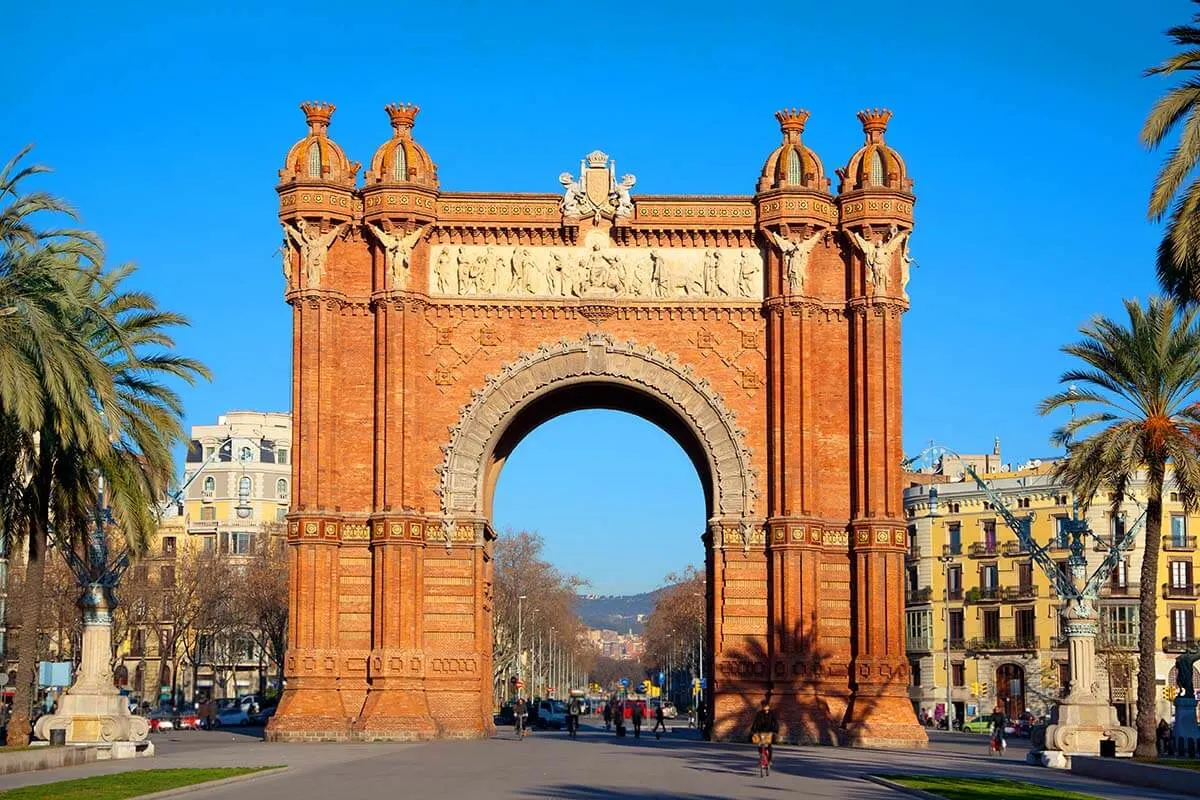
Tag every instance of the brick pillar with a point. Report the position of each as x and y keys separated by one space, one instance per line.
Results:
x=396 y=707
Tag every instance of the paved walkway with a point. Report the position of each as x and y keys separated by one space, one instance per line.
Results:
x=597 y=766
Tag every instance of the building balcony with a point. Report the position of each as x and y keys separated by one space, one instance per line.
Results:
x=984 y=594
x=915 y=596
x=1179 y=543
x=921 y=644
x=1017 y=593
x=1016 y=645
x=1112 y=590
x=983 y=550
x=202 y=526
x=1172 y=592
x=955 y=594
x=1174 y=645
x=913 y=554
x=1013 y=549
x=1058 y=641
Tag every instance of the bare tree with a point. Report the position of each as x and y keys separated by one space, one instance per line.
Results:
x=262 y=595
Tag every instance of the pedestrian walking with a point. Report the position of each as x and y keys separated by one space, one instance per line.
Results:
x=574 y=709
x=635 y=715
x=608 y=715
x=659 y=726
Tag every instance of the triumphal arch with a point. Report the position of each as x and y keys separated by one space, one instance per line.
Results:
x=433 y=329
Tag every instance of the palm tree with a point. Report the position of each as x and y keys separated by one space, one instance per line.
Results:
x=1179 y=252
x=1142 y=380
x=142 y=418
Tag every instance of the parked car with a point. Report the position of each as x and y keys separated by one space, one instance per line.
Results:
x=187 y=721
x=647 y=712
x=506 y=715
x=232 y=715
x=262 y=716
x=161 y=719
x=669 y=711
x=978 y=725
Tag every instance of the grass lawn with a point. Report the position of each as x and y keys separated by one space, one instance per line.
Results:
x=957 y=788
x=1182 y=763
x=124 y=784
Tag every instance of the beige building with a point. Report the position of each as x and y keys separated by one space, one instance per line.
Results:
x=976 y=599
x=237 y=475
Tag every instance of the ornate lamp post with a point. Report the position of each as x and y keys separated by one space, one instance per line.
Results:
x=520 y=644
x=945 y=559
x=1082 y=719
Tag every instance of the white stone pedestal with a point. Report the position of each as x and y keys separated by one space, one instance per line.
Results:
x=1082 y=720
x=93 y=711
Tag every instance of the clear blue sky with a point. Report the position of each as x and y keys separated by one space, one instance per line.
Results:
x=1019 y=123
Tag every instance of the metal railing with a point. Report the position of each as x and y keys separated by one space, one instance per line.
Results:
x=1171 y=591
x=1014 y=593
x=1013 y=549
x=984 y=594
x=913 y=554
x=1114 y=590
x=983 y=549
x=1108 y=640
x=1173 y=645
x=922 y=595
x=1179 y=543
x=921 y=644
x=984 y=645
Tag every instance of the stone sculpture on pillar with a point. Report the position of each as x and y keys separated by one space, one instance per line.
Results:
x=1186 y=730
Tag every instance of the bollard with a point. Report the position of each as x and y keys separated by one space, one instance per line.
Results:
x=58 y=737
x=1108 y=748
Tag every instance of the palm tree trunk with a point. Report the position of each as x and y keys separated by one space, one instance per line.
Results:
x=31 y=624
x=1147 y=685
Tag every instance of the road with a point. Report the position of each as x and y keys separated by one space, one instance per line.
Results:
x=597 y=765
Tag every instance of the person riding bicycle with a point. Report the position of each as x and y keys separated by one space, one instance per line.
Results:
x=999 y=722
x=764 y=728
x=520 y=712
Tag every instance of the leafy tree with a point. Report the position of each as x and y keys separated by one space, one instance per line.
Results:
x=1179 y=251
x=1141 y=380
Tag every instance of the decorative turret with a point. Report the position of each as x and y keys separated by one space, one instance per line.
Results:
x=876 y=202
x=316 y=158
x=400 y=160
x=795 y=211
x=875 y=165
x=792 y=165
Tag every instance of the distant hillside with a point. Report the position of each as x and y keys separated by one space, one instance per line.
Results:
x=618 y=612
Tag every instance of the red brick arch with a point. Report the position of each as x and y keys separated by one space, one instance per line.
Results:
x=433 y=329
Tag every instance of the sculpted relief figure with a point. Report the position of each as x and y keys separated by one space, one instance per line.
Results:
x=285 y=250
x=466 y=282
x=796 y=255
x=672 y=280
x=905 y=265
x=444 y=276
x=397 y=251
x=573 y=195
x=622 y=202
x=314 y=248
x=878 y=254
x=747 y=275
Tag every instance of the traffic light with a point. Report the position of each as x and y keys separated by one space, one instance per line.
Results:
x=1168 y=693
x=975 y=687
x=983 y=688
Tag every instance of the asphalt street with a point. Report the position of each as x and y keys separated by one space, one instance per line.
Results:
x=550 y=765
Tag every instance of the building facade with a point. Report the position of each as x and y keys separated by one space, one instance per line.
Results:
x=237 y=475
x=975 y=598
x=434 y=329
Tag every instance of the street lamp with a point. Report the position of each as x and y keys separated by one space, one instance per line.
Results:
x=520 y=643
x=945 y=558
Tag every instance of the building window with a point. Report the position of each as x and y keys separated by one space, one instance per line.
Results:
x=989 y=533
x=1061 y=500
x=1120 y=575
x=1182 y=620
x=166 y=647
x=956 y=627
x=1119 y=625
x=1025 y=624
x=166 y=577
x=954 y=508
x=1116 y=527
x=210 y=544
x=281 y=488
x=281 y=514
x=954 y=587
x=955 y=532
x=958 y=674
x=168 y=546
x=241 y=543
x=919 y=629
x=989 y=576
x=1061 y=537
x=1022 y=502
x=795 y=175
x=1174 y=497
x=281 y=456
x=208 y=514
x=137 y=643
x=210 y=485
x=209 y=452
x=877 y=172
x=314 y=160
x=400 y=164
x=991 y=624
x=1178 y=530
x=1025 y=575
x=1181 y=574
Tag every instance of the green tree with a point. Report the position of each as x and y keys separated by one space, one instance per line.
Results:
x=84 y=371
x=1141 y=382
x=1179 y=252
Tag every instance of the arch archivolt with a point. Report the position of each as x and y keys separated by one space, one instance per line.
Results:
x=597 y=357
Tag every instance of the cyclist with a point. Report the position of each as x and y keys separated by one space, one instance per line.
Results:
x=520 y=712
x=997 y=744
x=763 y=731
